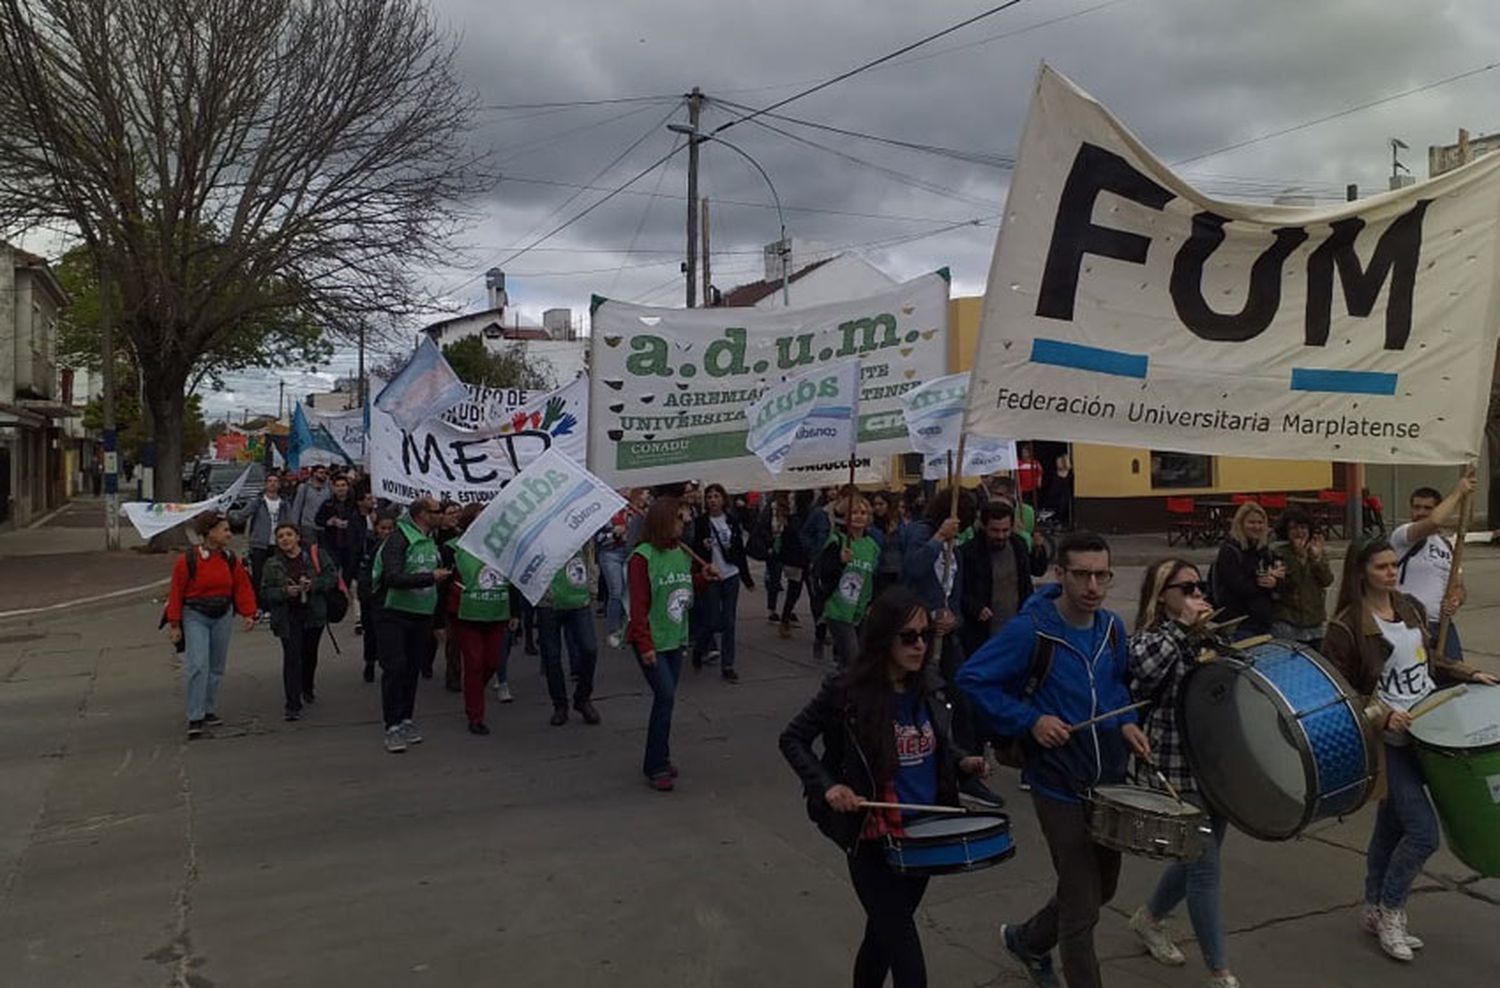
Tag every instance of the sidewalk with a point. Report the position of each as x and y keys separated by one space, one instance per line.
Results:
x=63 y=560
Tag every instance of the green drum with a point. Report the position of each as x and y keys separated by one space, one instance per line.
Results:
x=1458 y=745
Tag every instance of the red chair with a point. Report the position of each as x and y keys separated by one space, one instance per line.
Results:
x=1239 y=499
x=1183 y=522
x=1332 y=503
x=1273 y=502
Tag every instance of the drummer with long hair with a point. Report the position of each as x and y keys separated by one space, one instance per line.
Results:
x=1379 y=640
x=887 y=736
x=1172 y=605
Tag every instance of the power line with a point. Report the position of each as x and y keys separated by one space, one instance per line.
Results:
x=801 y=94
x=568 y=104
x=523 y=149
x=1334 y=116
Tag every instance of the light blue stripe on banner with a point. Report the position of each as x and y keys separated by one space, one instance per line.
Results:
x=1343 y=381
x=1089 y=358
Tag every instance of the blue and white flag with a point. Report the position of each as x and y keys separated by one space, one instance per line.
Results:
x=934 y=413
x=539 y=520
x=807 y=418
x=982 y=457
x=311 y=445
x=424 y=389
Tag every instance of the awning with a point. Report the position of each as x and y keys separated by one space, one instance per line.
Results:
x=48 y=409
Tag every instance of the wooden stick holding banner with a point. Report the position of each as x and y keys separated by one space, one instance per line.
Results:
x=1456 y=570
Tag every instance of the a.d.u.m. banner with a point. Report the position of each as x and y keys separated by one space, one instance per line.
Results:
x=1126 y=308
x=670 y=387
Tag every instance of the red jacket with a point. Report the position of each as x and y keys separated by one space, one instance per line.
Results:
x=638 y=579
x=212 y=578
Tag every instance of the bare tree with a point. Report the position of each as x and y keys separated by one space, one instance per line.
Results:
x=235 y=160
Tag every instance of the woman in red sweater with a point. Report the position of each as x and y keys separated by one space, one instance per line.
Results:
x=208 y=585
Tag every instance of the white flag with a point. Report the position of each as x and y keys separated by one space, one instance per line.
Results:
x=153 y=518
x=935 y=413
x=538 y=521
x=424 y=389
x=982 y=457
x=807 y=418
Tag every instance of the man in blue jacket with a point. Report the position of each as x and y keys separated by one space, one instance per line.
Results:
x=1062 y=661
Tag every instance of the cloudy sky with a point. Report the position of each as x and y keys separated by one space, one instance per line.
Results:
x=1189 y=78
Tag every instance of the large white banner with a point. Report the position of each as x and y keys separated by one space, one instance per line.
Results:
x=1126 y=308
x=671 y=386
x=449 y=462
x=530 y=529
x=151 y=518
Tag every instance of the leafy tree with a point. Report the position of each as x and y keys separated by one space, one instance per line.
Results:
x=279 y=340
x=131 y=423
x=237 y=165
x=510 y=368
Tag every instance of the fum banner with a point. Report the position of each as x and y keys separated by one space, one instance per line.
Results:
x=671 y=387
x=1126 y=308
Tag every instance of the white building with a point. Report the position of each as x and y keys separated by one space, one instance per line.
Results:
x=553 y=347
x=33 y=473
x=818 y=276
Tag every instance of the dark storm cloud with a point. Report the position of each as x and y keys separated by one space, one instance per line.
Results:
x=1187 y=76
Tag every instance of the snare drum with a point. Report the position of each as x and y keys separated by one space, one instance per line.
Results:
x=942 y=845
x=1276 y=740
x=1458 y=746
x=1143 y=821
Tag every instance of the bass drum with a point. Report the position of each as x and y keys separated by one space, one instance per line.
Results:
x=1275 y=739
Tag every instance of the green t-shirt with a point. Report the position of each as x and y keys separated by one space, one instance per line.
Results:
x=570 y=586
x=851 y=598
x=486 y=594
x=421 y=557
x=671 y=577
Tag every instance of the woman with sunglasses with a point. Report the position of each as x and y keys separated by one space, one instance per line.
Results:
x=1162 y=652
x=1378 y=639
x=887 y=737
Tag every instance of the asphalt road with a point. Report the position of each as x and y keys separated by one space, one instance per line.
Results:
x=303 y=854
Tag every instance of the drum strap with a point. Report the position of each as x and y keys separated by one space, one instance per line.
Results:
x=1416 y=548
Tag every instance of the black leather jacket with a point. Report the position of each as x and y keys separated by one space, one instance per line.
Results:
x=703 y=538
x=830 y=716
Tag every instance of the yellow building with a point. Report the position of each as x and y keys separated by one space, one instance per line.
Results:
x=1120 y=488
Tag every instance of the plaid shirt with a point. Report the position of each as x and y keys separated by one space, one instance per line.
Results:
x=1160 y=658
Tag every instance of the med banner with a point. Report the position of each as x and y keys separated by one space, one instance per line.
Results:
x=1128 y=309
x=532 y=528
x=671 y=387
x=807 y=418
x=449 y=462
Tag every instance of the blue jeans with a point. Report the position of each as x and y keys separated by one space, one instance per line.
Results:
x=720 y=602
x=612 y=563
x=577 y=625
x=205 y=643
x=1406 y=831
x=662 y=678
x=1198 y=882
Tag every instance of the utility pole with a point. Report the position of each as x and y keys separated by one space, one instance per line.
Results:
x=695 y=107
x=708 y=284
x=280 y=399
x=111 y=450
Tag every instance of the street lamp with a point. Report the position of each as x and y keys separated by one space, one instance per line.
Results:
x=697 y=138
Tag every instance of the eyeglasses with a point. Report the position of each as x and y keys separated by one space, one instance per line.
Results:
x=1103 y=577
x=1199 y=587
x=910 y=636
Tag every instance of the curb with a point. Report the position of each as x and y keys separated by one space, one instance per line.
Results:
x=113 y=595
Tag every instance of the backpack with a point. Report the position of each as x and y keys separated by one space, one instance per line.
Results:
x=1008 y=750
x=336 y=599
x=192 y=562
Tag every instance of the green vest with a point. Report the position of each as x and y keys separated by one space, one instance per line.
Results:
x=486 y=594
x=851 y=598
x=421 y=557
x=671 y=579
x=570 y=586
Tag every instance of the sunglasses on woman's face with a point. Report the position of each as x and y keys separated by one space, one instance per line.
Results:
x=910 y=636
x=1189 y=587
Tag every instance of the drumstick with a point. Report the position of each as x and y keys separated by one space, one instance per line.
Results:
x=915 y=807
x=1452 y=694
x=1161 y=777
x=1106 y=716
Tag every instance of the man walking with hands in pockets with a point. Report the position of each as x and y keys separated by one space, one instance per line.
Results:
x=1062 y=661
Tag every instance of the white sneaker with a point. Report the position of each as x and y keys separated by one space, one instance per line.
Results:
x=409 y=732
x=1154 y=936
x=502 y=692
x=1391 y=929
x=615 y=639
x=1369 y=921
x=1223 y=981
x=395 y=741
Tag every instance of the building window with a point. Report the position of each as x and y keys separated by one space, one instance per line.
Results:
x=911 y=468
x=1181 y=470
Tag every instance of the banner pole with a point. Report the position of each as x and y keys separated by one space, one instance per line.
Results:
x=1465 y=506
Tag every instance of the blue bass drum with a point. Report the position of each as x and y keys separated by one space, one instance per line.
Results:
x=1275 y=739
x=943 y=845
